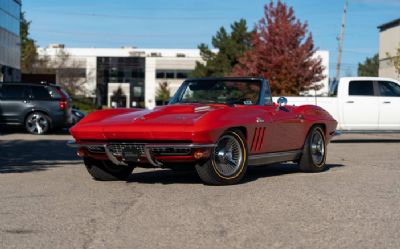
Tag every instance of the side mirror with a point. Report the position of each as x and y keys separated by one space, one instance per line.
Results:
x=282 y=101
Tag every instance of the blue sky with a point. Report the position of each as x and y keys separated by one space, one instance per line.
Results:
x=186 y=23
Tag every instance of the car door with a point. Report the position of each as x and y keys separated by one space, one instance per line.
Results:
x=286 y=127
x=15 y=103
x=360 y=108
x=389 y=105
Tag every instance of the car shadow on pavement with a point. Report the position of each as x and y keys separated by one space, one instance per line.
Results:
x=19 y=130
x=278 y=169
x=380 y=140
x=167 y=176
x=19 y=156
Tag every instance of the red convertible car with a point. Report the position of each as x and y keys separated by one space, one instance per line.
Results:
x=218 y=126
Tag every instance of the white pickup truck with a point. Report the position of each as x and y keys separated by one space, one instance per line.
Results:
x=360 y=104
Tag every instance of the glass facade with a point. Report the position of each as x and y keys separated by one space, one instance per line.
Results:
x=121 y=70
x=10 y=48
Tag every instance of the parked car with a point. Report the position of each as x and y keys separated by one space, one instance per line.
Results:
x=361 y=104
x=37 y=107
x=219 y=126
x=77 y=115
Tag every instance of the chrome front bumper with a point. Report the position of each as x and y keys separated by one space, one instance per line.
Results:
x=145 y=148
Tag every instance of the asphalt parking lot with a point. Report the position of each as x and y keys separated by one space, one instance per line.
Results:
x=48 y=200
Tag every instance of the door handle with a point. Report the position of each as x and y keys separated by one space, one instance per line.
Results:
x=387 y=102
x=26 y=101
x=300 y=116
x=350 y=102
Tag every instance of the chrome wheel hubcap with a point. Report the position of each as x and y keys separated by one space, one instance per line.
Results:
x=317 y=148
x=37 y=124
x=228 y=156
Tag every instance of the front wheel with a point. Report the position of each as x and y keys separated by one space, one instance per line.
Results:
x=228 y=161
x=106 y=170
x=314 y=151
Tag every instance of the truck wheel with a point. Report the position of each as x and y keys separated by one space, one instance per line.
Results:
x=37 y=123
x=314 y=151
x=106 y=170
x=228 y=161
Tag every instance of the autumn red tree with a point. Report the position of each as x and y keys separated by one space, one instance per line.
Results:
x=282 y=52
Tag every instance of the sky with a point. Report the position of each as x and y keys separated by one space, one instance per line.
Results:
x=187 y=23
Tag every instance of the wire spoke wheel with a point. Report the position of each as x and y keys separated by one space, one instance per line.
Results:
x=317 y=148
x=228 y=156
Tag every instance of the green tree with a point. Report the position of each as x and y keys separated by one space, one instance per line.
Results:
x=28 y=46
x=163 y=92
x=230 y=48
x=370 y=67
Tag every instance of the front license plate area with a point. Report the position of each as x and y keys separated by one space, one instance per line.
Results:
x=131 y=154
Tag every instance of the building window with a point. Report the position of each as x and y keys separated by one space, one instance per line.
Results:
x=172 y=74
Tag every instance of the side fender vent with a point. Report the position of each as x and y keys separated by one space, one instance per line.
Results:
x=258 y=139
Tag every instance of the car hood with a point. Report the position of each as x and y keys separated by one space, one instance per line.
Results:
x=163 y=123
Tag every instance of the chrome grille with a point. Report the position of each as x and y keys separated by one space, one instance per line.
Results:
x=96 y=148
x=116 y=149
x=169 y=151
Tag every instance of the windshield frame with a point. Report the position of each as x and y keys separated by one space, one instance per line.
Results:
x=176 y=98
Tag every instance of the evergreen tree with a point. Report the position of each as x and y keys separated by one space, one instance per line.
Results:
x=230 y=47
x=28 y=47
x=370 y=67
x=282 y=52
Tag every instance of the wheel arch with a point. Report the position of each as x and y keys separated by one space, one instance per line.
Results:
x=242 y=129
x=321 y=125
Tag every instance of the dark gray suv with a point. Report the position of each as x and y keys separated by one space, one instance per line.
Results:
x=38 y=107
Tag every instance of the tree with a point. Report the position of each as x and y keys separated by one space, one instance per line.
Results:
x=163 y=92
x=283 y=52
x=370 y=67
x=119 y=98
x=28 y=46
x=70 y=73
x=230 y=48
x=395 y=61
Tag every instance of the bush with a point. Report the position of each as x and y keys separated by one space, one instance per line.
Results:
x=84 y=104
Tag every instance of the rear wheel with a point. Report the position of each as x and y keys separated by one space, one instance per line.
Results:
x=37 y=123
x=106 y=170
x=228 y=161
x=314 y=151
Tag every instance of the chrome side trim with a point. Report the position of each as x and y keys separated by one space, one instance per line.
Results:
x=276 y=157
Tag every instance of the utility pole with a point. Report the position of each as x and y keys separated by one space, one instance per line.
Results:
x=341 y=39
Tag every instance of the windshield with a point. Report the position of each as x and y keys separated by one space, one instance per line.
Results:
x=239 y=92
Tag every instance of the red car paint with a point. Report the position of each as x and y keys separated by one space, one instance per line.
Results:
x=267 y=128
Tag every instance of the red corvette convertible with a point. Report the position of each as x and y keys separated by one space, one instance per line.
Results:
x=218 y=126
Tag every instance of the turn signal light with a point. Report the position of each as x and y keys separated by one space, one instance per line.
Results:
x=200 y=154
x=81 y=152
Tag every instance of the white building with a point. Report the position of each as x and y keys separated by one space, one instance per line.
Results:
x=104 y=70
x=389 y=43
